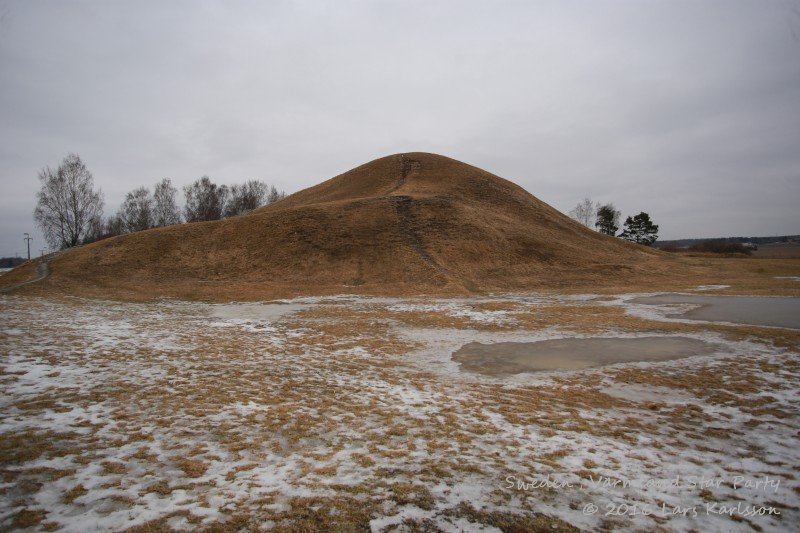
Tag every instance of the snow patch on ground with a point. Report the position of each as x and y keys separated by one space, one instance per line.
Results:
x=457 y=309
x=189 y=412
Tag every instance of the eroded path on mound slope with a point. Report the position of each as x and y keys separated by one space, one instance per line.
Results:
x=42 y=271
x=350 y=412
x=402 y=207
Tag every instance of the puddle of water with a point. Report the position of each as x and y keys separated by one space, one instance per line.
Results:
x=505 y=358
x=269 y=312
x=757 y=310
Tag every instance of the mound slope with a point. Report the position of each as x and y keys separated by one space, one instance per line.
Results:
x=407 y=223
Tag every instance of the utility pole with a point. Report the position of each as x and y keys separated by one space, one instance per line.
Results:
x=41 y=253
x=28 y=238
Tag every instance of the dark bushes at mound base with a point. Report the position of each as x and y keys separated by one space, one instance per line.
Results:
x=721 y=247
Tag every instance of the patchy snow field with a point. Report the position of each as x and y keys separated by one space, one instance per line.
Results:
x=349 y=413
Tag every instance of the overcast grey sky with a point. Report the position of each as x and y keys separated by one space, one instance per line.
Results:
x=686 y=109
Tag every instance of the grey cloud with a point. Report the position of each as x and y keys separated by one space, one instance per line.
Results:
x=687 y=110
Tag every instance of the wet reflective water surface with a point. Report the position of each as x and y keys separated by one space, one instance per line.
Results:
x=574 y=354
x=757 y=310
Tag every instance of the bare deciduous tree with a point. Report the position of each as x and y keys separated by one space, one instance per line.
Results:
x=249 y=196
x=275 y=195
x=205 y=200
x=585 y=212
x=165 y=209
x=114 y=226
x=67 y=206
x=246 y=197
x=136 y=211
x=95 y=232
x=103 y=229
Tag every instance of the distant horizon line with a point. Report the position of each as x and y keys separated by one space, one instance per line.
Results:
x=660 y=241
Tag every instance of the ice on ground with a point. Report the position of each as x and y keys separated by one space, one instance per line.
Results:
x=258 y=312
x=116 y=415
x=457 y=309
x=773 y=311
x=506 y=358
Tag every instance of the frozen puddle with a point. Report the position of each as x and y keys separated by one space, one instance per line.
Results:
x=757 y=310
x=268 y=312
x=574 y=354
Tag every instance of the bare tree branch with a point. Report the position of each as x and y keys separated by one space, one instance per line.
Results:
x=67 y=205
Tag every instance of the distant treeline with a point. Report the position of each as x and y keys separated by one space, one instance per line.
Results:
x=11 y=262
x=69 y=210
x=204 y=200
x=688 y=243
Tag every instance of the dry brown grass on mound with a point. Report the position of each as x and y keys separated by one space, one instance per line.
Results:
x=20 y=274
x=401 y=225
x=744 y=275
x=411 y=222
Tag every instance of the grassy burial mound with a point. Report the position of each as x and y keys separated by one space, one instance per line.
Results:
x=404 y=224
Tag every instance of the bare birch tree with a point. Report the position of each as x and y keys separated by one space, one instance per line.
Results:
x=275 y=195
x=165 y=208
x=67 y=205
x=246 y=197
x=205 y=200
x=136 y=211
x=584 y=212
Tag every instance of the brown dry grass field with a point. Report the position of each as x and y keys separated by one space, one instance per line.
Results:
x=151 y=382
x=347 y=414
x=668 y=272
x=778 y=251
